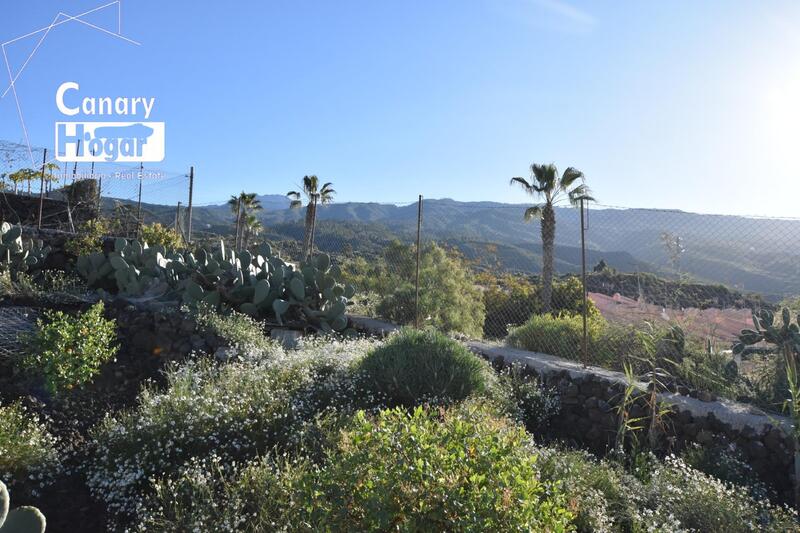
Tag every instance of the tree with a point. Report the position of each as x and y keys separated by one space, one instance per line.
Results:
x=252 y=228
x=673 y=245
x=20 y=176
x=449 y=298
x=49 y=174
x=546 y=184
x=243 y=206
x=314 y=196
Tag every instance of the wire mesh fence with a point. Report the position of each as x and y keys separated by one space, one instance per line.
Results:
x=675 y=286
x=605 y=285
x=14 y=323
x=42 y=192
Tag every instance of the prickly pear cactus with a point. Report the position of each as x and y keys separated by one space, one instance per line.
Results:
x=20 y=520
x=258 y=283
x=17 y=256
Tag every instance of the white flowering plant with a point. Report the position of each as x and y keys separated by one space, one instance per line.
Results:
x=28 y=455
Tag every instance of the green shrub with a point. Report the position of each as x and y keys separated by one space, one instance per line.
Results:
x=533 y=404
x=89 y=237
x=235 y=412
x=460 y=470
x=415 y=367
x=242 y=333
x=679 y=493
x=68 y=351
x=449 y=299
x=155 y=234
x=559 y=335
x=609 y=345
x=510 y=300
x=209 y=495
x=45 y=285
x=597 y=491
x=27 y=450
x=712 y=372
x=726 y=464
x=673 y=497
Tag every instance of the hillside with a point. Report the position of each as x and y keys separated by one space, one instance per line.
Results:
x=749 y=254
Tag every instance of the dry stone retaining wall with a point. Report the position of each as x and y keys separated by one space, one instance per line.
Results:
x=588 y=416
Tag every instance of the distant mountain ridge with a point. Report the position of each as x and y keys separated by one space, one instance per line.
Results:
x=749 y=254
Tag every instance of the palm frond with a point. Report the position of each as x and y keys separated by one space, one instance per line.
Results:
x=533 y=212
x=293 y=194
x=581 y=192
x=570 y=176
x=545 y=176
x=522 y=182
x=310 y=184
x=296 y=204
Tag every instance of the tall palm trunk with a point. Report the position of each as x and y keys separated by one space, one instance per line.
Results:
x=548 y=228
x=310 y=215
x=238 y=224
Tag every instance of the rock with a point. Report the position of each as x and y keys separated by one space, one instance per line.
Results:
x=704 y=437
x=774 y=440
x=757 y=449
x=288 y=337
x=225 y=354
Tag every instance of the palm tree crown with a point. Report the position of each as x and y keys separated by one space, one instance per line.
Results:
x=310 y=186
x=546 y=184
x=243 y=207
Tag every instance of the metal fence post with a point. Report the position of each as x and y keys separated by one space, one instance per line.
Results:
x=139 y=201
x=584 y=346
x=191 y=189
x=41 y=189
x=416 y=283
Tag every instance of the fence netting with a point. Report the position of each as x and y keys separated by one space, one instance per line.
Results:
x=36 y=190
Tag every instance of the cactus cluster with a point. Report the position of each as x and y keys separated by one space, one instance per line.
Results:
x=785 y=335
x=19 y=520
x=258 y=283
x=133 y=268
x=18 y=256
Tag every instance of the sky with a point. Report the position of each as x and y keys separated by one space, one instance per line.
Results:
x=681 y=104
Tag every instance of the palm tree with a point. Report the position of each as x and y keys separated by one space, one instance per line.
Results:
x=49 y=176
x=20 y=176
x=546 y=184
x=252 y=228
x=242 y=205
x=314 y=195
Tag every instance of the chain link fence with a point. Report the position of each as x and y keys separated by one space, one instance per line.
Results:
x=42 y=192
x=671 y=287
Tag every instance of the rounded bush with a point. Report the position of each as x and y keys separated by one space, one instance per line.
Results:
x=27 y=450
x=463 y=469
x=416 y=367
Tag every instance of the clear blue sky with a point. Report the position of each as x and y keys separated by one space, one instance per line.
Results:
x=691 y=105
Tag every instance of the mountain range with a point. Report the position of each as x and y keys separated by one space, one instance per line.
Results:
x=750 y=254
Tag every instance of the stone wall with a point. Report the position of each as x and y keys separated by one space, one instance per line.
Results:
x=588 y=415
